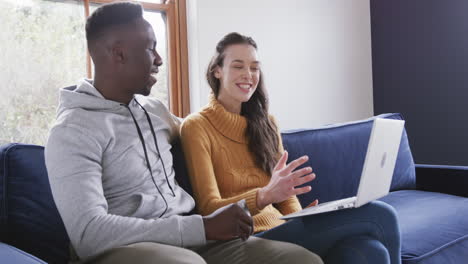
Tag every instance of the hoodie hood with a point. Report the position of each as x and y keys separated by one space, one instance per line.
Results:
x=86 y=97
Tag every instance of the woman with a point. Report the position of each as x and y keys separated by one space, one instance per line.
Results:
x=234 y=152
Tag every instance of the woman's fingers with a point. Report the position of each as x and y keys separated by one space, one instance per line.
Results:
x=301 y=180
x=282 y=161
x=302 y=190
x=301 y=172
x=314 y=203
x=294 y=164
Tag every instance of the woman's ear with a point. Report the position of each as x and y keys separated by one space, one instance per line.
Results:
x=217 y=72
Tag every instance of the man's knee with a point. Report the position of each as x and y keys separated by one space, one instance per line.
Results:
x=149 y=253
x=293 y=253
x=282 y=252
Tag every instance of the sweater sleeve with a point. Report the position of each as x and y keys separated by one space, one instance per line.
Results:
x=197 y=149
x=73 y=159
x=291 y=205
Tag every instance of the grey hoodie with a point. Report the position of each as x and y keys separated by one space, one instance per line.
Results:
x=100 y=181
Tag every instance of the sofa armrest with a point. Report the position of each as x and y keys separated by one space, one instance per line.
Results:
x=444 y=179
x=10 y=254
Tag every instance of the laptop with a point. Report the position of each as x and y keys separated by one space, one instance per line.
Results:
x=377 y=171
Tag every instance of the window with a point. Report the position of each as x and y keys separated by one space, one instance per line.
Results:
x=161 y=89
x=44 y=49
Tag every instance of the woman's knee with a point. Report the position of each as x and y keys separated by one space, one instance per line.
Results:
x=384 y=216
x=386 y=221
x=383 y=210
x=358 y=250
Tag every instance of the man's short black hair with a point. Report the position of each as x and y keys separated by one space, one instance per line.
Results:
x=109 y=15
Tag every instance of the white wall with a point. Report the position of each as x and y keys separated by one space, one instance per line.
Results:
x=315 y=54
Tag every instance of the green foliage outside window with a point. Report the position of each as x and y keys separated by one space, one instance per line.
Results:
x=43 y=48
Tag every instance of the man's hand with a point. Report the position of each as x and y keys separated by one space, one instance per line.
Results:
x=228 y=222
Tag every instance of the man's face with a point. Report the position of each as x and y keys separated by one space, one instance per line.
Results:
x=143 y=59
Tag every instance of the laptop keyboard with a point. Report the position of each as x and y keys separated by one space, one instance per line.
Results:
x=346 y=200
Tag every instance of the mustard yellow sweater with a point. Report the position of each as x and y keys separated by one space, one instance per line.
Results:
x=221 y=167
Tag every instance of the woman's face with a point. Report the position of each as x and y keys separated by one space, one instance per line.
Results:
x=239 y=74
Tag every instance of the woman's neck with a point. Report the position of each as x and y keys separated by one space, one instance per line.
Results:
x=230 y=105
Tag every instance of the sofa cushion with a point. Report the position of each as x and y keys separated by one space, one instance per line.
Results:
x=11 y=254
x=180 y=168
x=336 y=154
x=434 y=226
x=29 y=218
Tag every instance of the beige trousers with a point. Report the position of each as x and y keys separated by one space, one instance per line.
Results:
x=254 y=250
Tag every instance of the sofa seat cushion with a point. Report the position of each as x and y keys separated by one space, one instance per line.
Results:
x=9 y=254
x=434 y=226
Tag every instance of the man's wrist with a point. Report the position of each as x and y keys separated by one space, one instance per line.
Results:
x=206 y=227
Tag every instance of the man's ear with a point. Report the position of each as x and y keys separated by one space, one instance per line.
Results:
x=118 y=52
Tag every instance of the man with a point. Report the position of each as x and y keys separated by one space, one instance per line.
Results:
x=110 y=167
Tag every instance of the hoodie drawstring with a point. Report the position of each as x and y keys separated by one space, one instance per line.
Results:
x=157 y=146
x=146 y=153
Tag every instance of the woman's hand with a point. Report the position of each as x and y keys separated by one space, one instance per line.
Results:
x=314 y=203
x=284 y=181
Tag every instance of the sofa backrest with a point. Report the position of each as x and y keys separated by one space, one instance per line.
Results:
x=336 y=155
x=29 y=219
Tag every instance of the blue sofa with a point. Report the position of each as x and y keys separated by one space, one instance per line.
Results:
x=430 y=200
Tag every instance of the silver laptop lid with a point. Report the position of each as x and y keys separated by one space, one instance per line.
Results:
x=382 y=152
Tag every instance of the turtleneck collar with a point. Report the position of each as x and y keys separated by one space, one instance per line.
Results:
x=229 y=124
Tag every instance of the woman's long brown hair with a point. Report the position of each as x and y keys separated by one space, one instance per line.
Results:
x=261 y=132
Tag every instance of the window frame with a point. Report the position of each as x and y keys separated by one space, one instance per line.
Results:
x=176 y=15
